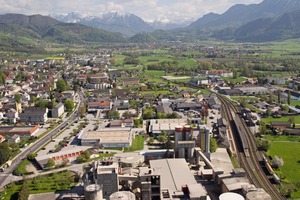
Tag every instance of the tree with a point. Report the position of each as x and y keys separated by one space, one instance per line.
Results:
x=243 y=102
x=113 y=114
x=17 y=98
x=262 y=128
x=5 y=153
x=148 y=113
x=50 y=163
x=151 y=141
x=213 y=145
x=268 y=112
x=289 y=97
x=162 y=138
x=127 y=115
x=24 y=192
x=53 y=103
x=69 y=105
x=41 y=103
x=161 y=115
x=277 y=162
x=82 y=111
x=31 y=156
x=263 y=144
x=61 y=85
x=278 y=96
x=2 y=77
x=292 y=121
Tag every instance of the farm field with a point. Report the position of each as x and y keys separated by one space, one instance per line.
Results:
x=289 y=152
x=281 y=119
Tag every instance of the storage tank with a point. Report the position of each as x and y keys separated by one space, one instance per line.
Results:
x=93 y=192
x=187 y=132
x=122 y=195
x=178 y=134
x=231 y=196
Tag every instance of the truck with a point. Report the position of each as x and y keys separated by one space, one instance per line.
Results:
x=5 y=165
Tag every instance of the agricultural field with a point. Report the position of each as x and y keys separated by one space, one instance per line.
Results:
x=145 y=60
x=288 y=150
x=282 y=49
x=246 y=98
x=281 y=119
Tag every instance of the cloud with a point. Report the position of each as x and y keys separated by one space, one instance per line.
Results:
x=150 y=10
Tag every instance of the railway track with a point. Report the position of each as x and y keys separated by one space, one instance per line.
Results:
x=246 y=150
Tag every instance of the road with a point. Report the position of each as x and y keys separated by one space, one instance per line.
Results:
x=6 y=177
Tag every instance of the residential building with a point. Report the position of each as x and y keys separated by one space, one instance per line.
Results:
x=103 y=105
x=23 y=131
x=2 y=138
x=121 y=123
x=15 y=139
x=98 y=78
x=58 y=110
x=34 y=115
x=130 y=82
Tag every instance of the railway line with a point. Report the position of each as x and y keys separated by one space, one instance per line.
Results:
x=246 y=150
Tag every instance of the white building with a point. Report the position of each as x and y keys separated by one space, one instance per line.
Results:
x=58 y=110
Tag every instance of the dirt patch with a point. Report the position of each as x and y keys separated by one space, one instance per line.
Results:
x=31 y=168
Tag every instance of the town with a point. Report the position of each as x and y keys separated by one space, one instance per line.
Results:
x=130 y=122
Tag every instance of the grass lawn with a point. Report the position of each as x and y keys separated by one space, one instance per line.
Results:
x=55 y=58
x=42 y=184
x=281 y=119
x=295 y=103
x=284 y=138
x=237 y=80
x=157 y=92
x=154 y=59
x=188 y=63
x=289 y=152
x=155 y=76
x=21 y=168
x=247 y=98
x=137 y=144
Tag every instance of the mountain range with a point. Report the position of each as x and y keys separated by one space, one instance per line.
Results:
x=25 y=30
x=267 y=21
x=254 y=22
x=121 y=22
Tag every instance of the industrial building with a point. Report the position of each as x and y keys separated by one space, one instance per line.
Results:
x=109 y=137
x=177 y=181
x=132 y=159
x=157 y=126
x=184 y=144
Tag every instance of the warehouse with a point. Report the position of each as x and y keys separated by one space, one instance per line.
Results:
x=111 y=137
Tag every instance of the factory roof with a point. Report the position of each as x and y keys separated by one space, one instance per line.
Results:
x=108 y=135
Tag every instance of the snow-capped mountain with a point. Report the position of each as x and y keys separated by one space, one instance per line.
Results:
x=121 y=22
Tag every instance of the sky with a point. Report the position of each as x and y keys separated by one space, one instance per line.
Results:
x=148 y=10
